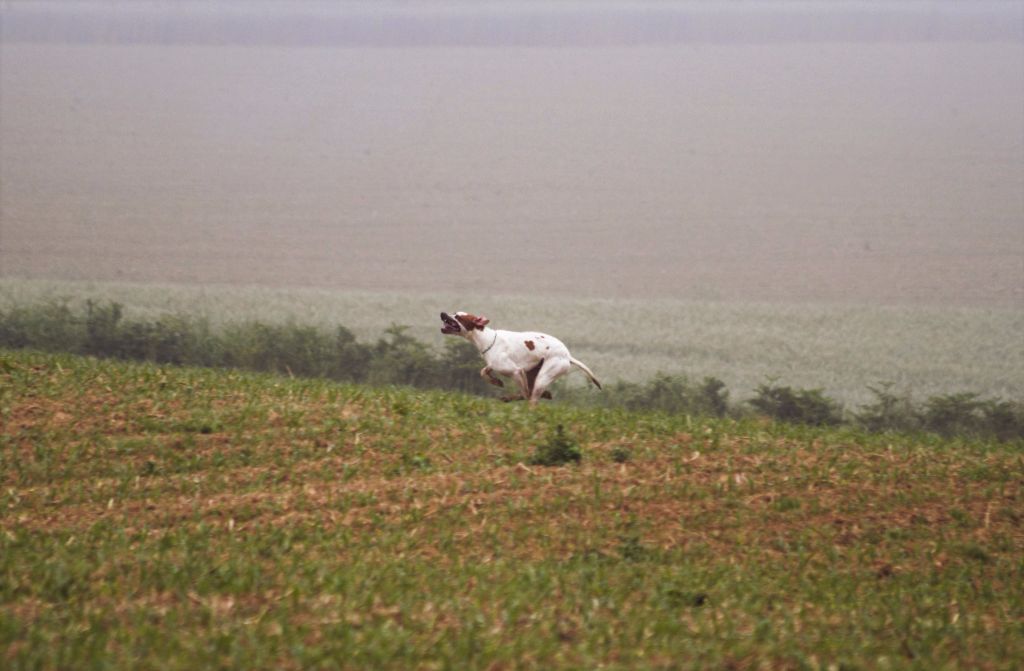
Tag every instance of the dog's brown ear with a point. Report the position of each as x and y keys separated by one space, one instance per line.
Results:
x=471 y=321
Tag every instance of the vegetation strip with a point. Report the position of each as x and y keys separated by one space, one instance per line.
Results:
x=179 y=517
x=398 y=358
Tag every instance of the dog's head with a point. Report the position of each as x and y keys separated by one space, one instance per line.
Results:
x=461 y=323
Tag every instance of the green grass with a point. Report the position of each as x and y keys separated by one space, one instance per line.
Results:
x=840 y=349
x=179 y=518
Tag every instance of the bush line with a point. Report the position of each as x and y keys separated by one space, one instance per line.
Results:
x=399 y=359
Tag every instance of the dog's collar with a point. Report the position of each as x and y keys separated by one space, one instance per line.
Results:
x=485 y=351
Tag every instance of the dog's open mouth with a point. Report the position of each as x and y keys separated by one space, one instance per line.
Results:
x=450 y=324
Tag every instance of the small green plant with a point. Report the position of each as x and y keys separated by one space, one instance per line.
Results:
x=974 y=551
x=631 y=548
x=621 y=454
x=559 y=450
x=786 y=504
x=680 y=598
x=418 y=462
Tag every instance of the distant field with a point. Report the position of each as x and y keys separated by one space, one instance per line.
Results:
x=842 y=349
x=179 y=519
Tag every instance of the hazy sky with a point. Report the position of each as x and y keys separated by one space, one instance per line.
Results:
x=784 y=151
x=508 y=23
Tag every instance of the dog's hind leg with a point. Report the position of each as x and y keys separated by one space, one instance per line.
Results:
x=531 y=379
x=527 y=381
x=548 y=373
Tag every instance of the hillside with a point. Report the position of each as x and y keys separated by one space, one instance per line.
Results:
x=188 y=518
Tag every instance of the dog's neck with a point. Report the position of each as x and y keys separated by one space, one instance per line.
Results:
x=483 y=338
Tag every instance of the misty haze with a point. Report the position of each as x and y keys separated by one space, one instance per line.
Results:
x=859 y=154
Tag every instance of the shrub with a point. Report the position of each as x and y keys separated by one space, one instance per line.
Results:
x=350 y=360
x=800 y=406
x=665 y=393
x=889 y=412
x=171 y=339
x=1004 y=420
x=714 y=397
x=399 y=358
x=48 y=326
x=953 y=414
x=460 y=367
x=287 y=348
x=966 y=414
x=101 y=330
x=674 y=394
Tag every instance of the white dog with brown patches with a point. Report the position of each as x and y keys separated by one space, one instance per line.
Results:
x=534 y=360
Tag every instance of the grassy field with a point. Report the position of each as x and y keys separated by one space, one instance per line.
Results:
x=183 y=518
x=842 y=349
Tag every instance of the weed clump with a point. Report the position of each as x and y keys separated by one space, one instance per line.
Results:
x=558 y=450
x=621 y=455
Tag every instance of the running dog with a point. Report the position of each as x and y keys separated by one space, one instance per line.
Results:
x=534 y=360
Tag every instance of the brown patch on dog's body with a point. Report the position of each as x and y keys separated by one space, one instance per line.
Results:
x=529 y=345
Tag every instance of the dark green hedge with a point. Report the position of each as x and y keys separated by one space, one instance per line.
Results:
x=397 y=358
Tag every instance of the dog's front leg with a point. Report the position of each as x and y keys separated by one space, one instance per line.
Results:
x=488 y=374
x=524 y=387
x=524 y=382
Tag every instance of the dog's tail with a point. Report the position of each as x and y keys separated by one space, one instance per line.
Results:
x=590 y=374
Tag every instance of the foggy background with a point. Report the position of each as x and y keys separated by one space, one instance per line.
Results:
x=868 y=152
